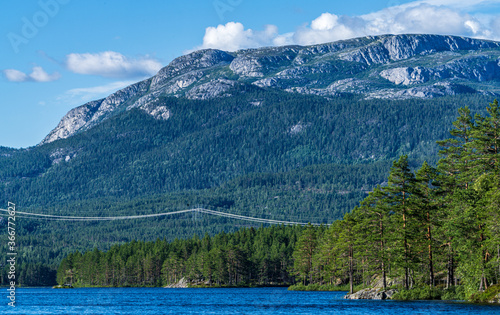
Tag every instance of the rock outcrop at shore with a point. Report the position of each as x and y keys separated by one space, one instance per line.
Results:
x=376 y=292
x=371 y=294
x=182 y=284
x=495 y=299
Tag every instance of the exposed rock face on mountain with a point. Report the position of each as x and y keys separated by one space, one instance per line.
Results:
x=390 y=67
x=475 y=69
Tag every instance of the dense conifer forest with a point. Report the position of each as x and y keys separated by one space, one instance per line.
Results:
x=426 y=226
x=249 y=256
x=261 y=153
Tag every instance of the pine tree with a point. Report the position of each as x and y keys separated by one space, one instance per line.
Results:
x=454 y=174
x=371 y=231
x=347 y=240
x=426 y=201
x=486 y=166
x=399 y=190
x=486 y=145
x=304 y=253
x=455 y=162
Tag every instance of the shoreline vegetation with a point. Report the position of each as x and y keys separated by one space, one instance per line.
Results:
x=427 y=233
x=318 y=287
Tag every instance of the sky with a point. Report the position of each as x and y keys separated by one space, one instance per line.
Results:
x=59 y=54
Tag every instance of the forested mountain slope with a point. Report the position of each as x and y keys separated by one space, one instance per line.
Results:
x=210 y=142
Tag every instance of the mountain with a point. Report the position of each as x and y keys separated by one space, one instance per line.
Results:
x=376 y=67
x=287 y=133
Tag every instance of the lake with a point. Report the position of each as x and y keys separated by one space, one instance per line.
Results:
x=146 y=301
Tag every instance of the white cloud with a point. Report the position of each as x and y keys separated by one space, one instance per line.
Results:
x=233 y=36
x=325 y=22
x=330 y=27
x=425 y=18
x=14 y=75
x=446 y=17
x=37 y=75
x=83 y=95
x=112 y=64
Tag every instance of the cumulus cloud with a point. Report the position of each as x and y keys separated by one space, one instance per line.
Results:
x=330 y=27
x=112 y=64
x=37 y=75
x=425 y=18
x=233 y=36
x=446 y=17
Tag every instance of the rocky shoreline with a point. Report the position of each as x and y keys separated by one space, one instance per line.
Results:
x=371 y=294
x=182 y=284
x=380 y=294
x=495 y=299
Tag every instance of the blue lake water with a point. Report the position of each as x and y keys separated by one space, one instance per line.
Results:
x=146 y=301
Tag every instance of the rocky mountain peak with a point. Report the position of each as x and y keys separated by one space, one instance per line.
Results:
x=387 y=66
x=196 y=60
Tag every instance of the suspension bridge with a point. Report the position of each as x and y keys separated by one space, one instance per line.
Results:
x=40 y=216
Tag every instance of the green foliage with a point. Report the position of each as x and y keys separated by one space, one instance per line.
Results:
x=298 y=287
x=418 y=293
x=486 y=296
x=318 y=287
x=454 y=293
x=208 y=143
x=247 y=257
x=426 y=229
x=304 y=253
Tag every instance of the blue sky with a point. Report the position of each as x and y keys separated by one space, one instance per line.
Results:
x=58 y=54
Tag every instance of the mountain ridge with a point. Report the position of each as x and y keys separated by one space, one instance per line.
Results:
x=386 y=67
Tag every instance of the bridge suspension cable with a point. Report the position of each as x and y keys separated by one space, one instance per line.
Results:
x=32 y=215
